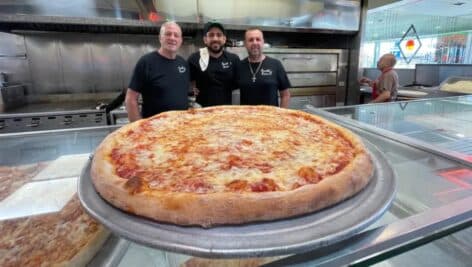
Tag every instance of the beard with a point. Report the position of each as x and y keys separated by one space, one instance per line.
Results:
x=254 y=52
x=215 y=50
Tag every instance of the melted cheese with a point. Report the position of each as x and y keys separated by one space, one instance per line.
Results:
x=217 y=146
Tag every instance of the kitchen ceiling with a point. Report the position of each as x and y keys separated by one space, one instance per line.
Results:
x=445 y=8
x=390 y=19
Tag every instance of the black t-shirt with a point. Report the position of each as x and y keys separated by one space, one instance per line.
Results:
x=218 y=81
x=163 y=83
x=270 y=79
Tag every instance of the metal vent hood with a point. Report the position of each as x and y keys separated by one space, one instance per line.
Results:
x=142 y=16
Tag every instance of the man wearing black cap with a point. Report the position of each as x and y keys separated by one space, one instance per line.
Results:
x=213 y=71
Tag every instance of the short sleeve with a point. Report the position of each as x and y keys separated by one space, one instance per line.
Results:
x=388 y=83
x=189 y=73
x=138 y=79
x=282 y=77
x=236 y=70
x=192 y=62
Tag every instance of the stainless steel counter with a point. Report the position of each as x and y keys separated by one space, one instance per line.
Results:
x=433 y=201
x=410 y=93
x=51 y=115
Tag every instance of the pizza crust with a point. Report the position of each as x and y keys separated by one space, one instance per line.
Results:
x=186 y=208
x=86 y=254
x=235 y=208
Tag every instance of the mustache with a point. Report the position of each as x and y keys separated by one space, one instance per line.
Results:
x=219 y=49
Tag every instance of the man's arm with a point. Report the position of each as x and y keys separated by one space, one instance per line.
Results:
x=284 y=98
x=383 y=97
x=193 y=88
x=132 y=105
x=118 y=101
x=365 y=80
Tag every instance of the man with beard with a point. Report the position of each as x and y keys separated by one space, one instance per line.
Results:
x=213 y=71
x=262 y=78
x=161 y=77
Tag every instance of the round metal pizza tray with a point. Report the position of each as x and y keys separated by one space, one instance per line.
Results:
x=281 y=237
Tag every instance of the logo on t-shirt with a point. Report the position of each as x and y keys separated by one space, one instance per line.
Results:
x=225 y=65
x=181 y=69
x=267 y=72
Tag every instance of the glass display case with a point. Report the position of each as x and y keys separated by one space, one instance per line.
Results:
x=442 y=125
x=432 y=206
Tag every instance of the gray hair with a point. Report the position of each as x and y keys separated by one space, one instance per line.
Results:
x=162 y=30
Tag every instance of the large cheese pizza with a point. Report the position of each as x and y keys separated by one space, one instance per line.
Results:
x=229 y=165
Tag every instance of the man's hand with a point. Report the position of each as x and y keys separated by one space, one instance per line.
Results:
x=383 y=97
x=101 y=106
x=195 y=91
x=365 y=80
x=284 y=98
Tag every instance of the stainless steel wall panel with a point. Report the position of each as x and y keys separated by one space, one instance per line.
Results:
x=12 y=45
x=342 y=76
x=312 y=79
x=307 y=62
x=129 y=57
x=87 y=63
x=76 y=64
x=149 y=47
x=44 y=65
x=107 y=65
x=130 y=53
x=187 y=49
x=17 y=70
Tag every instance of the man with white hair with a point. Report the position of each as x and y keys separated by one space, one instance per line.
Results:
x=161 y=77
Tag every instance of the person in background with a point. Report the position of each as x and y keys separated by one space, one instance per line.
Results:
x=161 y=77
x=262 y=78
x=114 y=103
x=213 y=71
x=385 y=88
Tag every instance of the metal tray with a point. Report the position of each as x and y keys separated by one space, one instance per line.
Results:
x=281 y=237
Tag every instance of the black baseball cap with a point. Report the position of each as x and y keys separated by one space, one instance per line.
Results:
x=212 y=24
